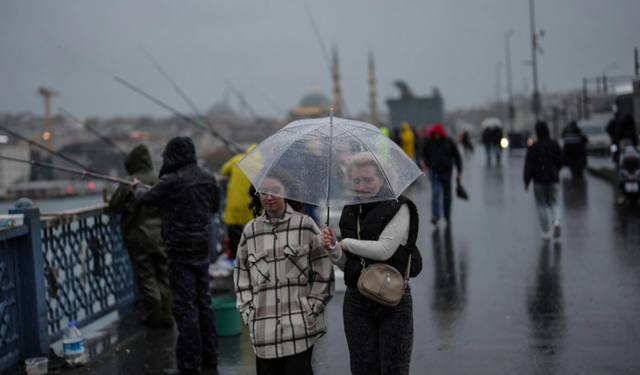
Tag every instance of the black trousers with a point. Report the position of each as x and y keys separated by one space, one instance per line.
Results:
x=298 y=364
x=380 y=338
x=198 y=339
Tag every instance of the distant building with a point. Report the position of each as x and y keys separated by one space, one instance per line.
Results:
x=312 y=105
x=12 y=172
x=417 y=111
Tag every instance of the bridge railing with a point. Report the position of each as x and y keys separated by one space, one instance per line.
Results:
x=58 y=268
x=63 y=267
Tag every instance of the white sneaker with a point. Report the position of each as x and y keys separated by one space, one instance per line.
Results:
x=546 y=236
x=556 y=229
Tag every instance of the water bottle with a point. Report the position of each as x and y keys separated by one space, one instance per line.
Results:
x=73 y=345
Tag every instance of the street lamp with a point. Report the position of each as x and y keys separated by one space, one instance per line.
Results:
x=510 y=109
x=604 y=75
x=535 y=49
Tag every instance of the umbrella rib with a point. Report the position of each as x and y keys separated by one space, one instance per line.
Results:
x=374 y=158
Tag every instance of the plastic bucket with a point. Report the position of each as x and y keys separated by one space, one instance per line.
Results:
x=228 y=322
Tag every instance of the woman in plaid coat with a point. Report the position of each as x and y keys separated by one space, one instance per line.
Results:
x=283 y=280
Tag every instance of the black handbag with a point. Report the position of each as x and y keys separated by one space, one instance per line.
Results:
x=461 y=192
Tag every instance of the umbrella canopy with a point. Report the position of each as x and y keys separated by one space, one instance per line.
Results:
x=491 y=122
x=317 y=158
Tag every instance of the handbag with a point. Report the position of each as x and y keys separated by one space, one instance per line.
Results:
x=461 y=192
x=381 y=282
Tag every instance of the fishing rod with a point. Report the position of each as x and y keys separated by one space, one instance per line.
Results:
x=327 y=60
x=173 y=83
x=230 y=145
x=273 y=105
x=92 y=130
x=35 y=163
x=56 y=153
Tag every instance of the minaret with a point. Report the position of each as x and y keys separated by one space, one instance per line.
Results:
x=337 y=91
x=373 y=107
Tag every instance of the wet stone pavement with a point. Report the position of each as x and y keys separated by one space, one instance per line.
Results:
x=493 y=298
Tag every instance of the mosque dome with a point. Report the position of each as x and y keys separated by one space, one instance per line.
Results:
x=315 y=99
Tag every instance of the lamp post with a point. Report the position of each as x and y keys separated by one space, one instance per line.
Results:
x=607 y=68
x=510 y=109
x=536 y=103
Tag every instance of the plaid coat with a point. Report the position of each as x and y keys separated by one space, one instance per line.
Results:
x=283 y=281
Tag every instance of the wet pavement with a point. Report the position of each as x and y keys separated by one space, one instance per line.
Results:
x=493 y=298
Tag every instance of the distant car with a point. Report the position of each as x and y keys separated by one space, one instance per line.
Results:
x=521 y=139
x=595 y=130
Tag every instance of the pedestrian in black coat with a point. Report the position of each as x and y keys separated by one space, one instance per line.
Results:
x=542 y=165
x=574 y=153
x=188 y=196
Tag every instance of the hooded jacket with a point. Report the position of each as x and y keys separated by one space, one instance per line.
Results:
x=237 y=209
x=441 y=154
x=140 y=225
x=188 y=196
x=544 y=158
x=408 y=140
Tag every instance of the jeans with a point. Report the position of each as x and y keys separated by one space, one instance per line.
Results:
x=547 y=202
x=380 y=338
x=440 y=182
x=198 y=338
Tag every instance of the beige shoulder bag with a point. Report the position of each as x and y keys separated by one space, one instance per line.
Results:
x=381 y=282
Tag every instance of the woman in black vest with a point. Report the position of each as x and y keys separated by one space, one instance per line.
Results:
x=380 y=338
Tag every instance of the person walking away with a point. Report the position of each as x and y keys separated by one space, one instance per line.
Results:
x=542 y=165
x=466 y=141
x=574 y=152
x=237 y=213
x=379 y=337
x=487 y=135
x=283 y=279
x=408 y=140
x=188 y=196
x=440 y=153
x=397 y=137
x=140 y=228
x=496 y=139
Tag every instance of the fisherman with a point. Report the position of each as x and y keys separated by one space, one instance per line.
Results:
x=140 y=228
x=237 y=213
x=188 y=195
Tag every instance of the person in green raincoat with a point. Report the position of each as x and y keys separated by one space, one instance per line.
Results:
x=140 y=227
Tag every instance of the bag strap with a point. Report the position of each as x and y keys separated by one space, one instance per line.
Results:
x=412 y=240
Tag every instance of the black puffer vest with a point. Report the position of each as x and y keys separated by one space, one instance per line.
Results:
x=374 y=217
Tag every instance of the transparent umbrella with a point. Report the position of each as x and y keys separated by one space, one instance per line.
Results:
x=314 y=156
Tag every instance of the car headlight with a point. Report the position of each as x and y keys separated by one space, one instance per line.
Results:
x=504 y=143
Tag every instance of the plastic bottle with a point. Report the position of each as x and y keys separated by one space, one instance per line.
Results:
x=73 y=346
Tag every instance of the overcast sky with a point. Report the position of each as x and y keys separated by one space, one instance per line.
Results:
x=270 y=46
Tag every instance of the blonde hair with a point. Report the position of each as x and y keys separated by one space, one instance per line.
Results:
x=366 y=159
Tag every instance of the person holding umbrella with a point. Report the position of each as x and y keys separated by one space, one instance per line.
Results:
x=380 y=337
x=283 y=278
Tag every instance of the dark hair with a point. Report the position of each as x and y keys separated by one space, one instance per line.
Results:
x=276 y=173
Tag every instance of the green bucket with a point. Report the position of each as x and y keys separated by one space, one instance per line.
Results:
x=228 y=321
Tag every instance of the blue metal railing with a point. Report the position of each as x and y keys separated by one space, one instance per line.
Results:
x=10 y=347
x=60 y=268
x=88 y=273
x=57 y=269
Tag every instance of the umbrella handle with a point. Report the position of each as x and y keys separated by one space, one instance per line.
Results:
x=328 y=208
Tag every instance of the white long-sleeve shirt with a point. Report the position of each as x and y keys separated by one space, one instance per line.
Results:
x=396 y=233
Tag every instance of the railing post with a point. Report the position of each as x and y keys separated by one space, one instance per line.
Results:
x=31 y=289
